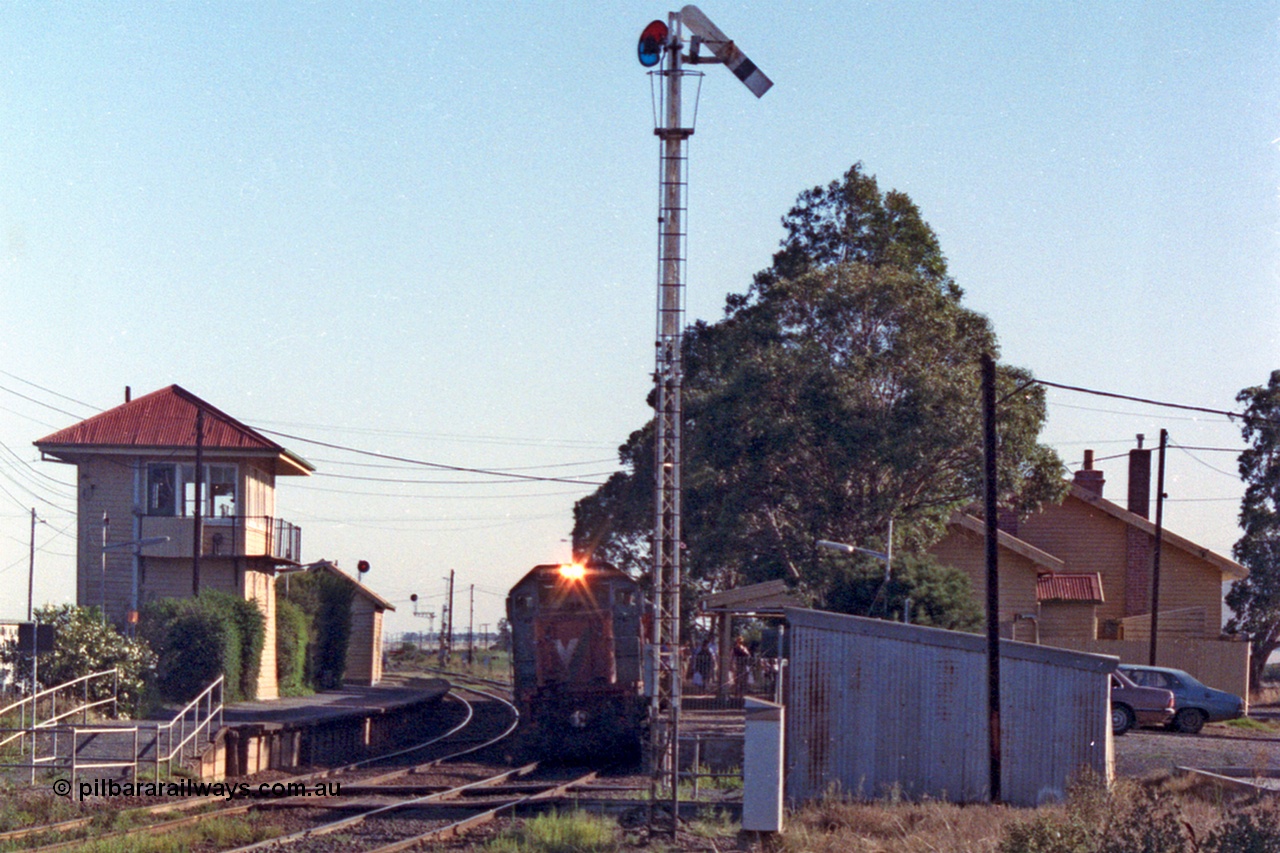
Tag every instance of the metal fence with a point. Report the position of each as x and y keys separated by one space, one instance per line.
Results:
x=44 y=744
x=38 y=716
x=40 y=710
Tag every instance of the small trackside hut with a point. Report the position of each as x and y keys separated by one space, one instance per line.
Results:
x=576 y=640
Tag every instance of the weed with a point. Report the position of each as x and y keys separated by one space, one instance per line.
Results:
x=713 y=823
x=575 y=832
x=221 y=832
x=1049 y=832
x=1253 y=831
x=1250 y=724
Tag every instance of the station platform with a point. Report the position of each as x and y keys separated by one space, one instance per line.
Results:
x=392 y=693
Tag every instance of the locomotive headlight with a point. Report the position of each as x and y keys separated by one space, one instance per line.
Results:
x=573 y=571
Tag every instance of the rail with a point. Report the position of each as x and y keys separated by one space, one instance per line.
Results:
x=188 y=738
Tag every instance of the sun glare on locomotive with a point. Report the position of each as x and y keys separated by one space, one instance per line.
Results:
x=573 y=571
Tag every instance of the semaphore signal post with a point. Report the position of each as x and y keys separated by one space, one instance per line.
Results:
x=662 y=46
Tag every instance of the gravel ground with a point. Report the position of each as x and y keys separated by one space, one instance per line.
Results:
x=1145 y=751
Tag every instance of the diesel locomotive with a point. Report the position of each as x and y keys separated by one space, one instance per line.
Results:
x=577 y=639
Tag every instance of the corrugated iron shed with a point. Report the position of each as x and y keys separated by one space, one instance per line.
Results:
x=877 y=707
x=166 y=420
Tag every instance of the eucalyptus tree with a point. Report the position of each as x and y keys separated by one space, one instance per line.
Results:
x=840 y=391
x=1256 y=599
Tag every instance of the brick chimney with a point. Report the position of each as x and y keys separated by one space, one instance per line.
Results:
x=1089 y=479
x=1140 y=481
x=1138 y=545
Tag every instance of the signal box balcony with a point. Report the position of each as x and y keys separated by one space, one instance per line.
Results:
x=253 y=536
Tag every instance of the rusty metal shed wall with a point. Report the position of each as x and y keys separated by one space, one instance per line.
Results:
x=877 y=706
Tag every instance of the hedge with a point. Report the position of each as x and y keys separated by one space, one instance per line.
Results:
x=325 y=599
x=292 y=636
x=198 y=639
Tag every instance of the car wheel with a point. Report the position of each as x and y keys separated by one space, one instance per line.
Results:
x=1122 y=719
x=1189 y=720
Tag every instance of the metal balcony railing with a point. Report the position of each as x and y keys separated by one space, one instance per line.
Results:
x=225 y=536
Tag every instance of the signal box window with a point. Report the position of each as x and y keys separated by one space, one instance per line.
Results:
x=171 y=490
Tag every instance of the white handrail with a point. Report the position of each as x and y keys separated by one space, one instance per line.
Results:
x=52 y=692
x=180 y=719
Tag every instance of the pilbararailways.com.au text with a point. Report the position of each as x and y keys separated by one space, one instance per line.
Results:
x=194 y=788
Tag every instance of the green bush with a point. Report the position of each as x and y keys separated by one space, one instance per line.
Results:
x=87 y=644
x=326 y=600
x=198 y=639
x=292 y=636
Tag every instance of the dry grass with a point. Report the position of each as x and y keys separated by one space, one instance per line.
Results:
x=1160 y=813
x=833 y=826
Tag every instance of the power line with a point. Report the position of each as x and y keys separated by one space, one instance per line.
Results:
x=39 y=403
x=1165 y=404
x=474 y=439
x=436 y=465
x=611 y=459
x=438 y=482
x=51 y=391
x=436 y=497
x=31 y=471
x=1119 y=412
x=1233 y=475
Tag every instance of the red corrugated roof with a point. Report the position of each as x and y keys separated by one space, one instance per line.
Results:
x=162 y=419
x=1070 y=587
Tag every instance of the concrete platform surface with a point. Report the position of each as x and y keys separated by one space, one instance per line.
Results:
x=392 y=692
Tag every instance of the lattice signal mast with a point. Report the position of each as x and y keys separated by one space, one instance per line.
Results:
x=660 y=41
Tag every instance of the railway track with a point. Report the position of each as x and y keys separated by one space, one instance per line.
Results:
x=473 y=727
x=385 y=824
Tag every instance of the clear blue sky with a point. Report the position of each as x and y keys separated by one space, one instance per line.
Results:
x=428 y=230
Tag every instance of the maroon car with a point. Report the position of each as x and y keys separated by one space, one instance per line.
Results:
x=1132 y=705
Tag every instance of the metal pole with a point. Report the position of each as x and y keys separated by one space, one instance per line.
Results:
x=888 y=552
x=31 y=567
x=1155 y=558
x=668 y=378
x=993 y=570
x=449 y=641
x=471 y=628
x=139 y=501
x=106 y=524
x=197 y=540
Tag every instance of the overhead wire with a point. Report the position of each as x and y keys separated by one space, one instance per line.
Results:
x=434 y=465
x=433 y=497
x=40 y=403
x=402 y=466
x=1146 y=400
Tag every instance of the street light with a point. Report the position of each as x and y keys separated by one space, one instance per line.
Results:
x=842 y=548
x=137 y=545
x=886 y=555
